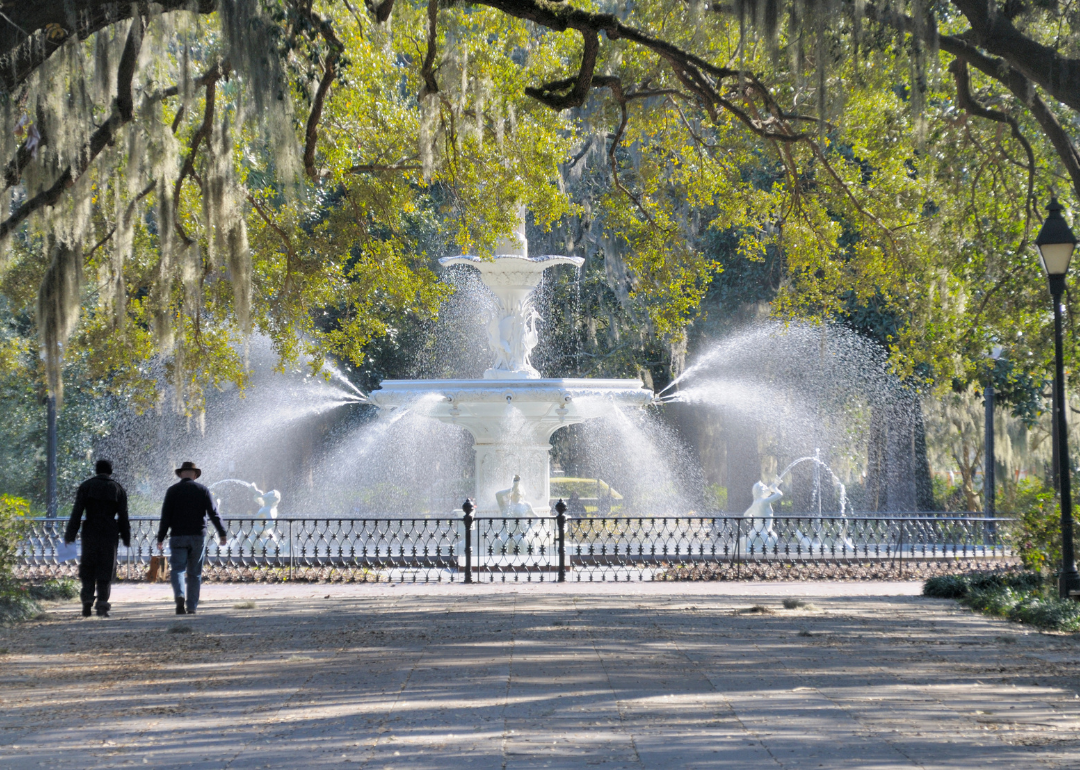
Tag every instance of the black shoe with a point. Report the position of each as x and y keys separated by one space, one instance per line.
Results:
x=86 y=608
x=102 y=613
x=190 y=610
x=180 y=607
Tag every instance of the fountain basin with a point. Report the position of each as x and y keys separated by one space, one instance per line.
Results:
x=511 y=422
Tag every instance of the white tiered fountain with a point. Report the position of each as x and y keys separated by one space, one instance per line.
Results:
x=513 y=411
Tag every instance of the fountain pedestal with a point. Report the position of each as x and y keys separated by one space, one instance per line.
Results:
x=511 y=422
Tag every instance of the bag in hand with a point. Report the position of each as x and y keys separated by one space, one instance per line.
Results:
x=159 y=569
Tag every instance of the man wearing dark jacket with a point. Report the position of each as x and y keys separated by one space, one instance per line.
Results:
x=185 y=510
x=105 y=504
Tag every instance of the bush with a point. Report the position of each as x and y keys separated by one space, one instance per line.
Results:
x=1050 y=612
x=16 y=604
x=946 y=587
x=1024 y=597
x=1036 y=534
x=54 y=591
x=14 y=512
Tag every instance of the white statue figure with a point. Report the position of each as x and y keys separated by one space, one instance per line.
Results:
x=263 y=530
x=518 y=513
x=501 y=349
x=760 y=535
x=512 y=501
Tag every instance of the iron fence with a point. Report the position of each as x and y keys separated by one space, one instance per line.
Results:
x=467 y=548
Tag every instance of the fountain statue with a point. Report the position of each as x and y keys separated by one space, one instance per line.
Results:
x=264 y=528
x=512 y=502
x=760 y=536
x=512 y=411
x=521 y=525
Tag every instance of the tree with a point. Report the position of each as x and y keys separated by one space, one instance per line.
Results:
x=250 y=111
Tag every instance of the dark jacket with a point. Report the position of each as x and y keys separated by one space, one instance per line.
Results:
x=105 y=504
x=187 y=504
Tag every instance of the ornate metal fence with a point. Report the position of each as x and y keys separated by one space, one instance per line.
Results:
x=456 y=548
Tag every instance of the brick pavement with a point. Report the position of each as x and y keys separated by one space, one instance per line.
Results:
x=576 y=676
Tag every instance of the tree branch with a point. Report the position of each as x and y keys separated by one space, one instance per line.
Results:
x=579 y=87
x=122 y=114
x=311 y=131
x=1042 y=65
x=1024 y=90
x=427 y=70
x=966 y=101
x=381 y=11
x=34 y=31
x=201 y=134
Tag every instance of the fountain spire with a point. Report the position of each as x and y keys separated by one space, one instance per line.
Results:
x=513 y=276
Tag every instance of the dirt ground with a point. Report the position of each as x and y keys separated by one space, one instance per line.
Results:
x=563 y=676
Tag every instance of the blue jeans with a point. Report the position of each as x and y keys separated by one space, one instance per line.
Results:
x=188 y=554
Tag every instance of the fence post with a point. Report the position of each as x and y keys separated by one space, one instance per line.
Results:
x=292 y=548
x=468 y=508
x=738 y=548
x=901 y=549
x=560 y=519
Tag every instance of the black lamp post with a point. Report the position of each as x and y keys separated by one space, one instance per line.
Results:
x=1056 y=243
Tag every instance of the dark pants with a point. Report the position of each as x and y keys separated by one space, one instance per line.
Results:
x=188 y=553
x=96 y=569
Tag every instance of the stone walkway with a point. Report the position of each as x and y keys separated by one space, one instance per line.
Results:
x=665 y=676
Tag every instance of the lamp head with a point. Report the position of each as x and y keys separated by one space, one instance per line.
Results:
x=1055 y=241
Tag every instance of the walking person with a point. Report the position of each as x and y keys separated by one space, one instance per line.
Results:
x=187 y=506
x=104 y=502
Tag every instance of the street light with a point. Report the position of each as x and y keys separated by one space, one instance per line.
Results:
x=1056 y=243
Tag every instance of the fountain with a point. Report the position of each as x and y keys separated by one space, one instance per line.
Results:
x=512 y=411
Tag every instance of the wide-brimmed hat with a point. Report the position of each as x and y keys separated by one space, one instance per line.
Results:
x=187 y=465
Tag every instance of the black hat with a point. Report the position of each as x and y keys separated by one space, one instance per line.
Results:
x=103 y=467
x=187 y=465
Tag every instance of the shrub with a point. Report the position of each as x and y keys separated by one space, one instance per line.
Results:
x=1025 y=597
x=16 y=604
x=14 y=512
x=945 y=587
x=1049 y=612
x=1036 y=534
x=54 y=591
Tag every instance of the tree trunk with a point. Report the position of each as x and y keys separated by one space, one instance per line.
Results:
x=898 y=470
x=743 y=460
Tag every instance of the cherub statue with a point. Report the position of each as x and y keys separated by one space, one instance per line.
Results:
x=518 y=512
x=263 y=530
x=760 y=536
x=512 y=501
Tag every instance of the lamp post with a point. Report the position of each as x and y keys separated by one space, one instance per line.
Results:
x=989 y=490
x=1056 y=243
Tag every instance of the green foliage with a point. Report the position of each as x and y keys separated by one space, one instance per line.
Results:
x=715 y=497
x=14 y=512
x=564 y=486
x=1025 y=597
x=1036 y=534
x=54 y=591
x=16 y=605
x=16 y=600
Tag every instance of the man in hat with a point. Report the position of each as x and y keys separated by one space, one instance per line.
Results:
x=187 y=506
x=105 y=504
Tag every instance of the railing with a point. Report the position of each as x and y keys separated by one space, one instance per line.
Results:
x=470 y=548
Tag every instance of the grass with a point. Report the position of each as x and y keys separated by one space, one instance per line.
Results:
x=1023 y=597
x=245 y=605
x=798 y=604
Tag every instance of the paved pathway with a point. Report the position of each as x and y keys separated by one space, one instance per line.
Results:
x=668 y=676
